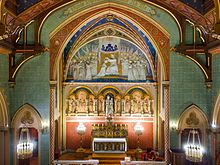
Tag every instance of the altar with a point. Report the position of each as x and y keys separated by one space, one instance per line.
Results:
x=107 y=117
x=109 y=145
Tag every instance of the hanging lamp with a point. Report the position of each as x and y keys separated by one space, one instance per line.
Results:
x=193 y=148
x=25 y=146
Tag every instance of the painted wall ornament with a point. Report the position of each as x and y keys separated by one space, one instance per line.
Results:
x=192 y=119
x=109 y=60
x=27 y=118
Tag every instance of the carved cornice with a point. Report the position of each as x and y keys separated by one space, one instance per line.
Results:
x=215 y=50
x=178 y=7
x=5 y=47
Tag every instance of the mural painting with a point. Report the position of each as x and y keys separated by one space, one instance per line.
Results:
x=109 y=59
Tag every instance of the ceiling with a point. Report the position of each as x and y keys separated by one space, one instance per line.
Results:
x=19 y=12
x=202 y=6
x=19 y=6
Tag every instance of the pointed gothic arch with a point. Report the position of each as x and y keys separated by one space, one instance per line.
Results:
x=4 y=131
x=216 y=112
x=27 y=116
x=3 y=111
x=58 y=37
x=194 y=118
x=21 y=112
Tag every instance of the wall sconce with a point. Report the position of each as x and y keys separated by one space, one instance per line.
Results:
x=213 y=125
x=81 y=129
x=138 y=129
x=45 y=126
x=173 y=125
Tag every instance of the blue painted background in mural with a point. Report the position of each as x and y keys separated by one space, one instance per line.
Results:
x=113 y=20
x=109 y=59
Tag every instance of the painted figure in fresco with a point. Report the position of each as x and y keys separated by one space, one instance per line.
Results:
x=75 y=69
x=130 y=71
x=102 y=72
x=82 y=73
x=142 y=71
x=135 y=71
x=125 y=65
x=88 y=71
x=109 y=47
x=109 y=106
x=112 y=69
x=103 y=48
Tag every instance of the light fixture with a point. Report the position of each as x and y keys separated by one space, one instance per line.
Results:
x=81 y=129
x=173 y=126
x=138 y=129
x=25 y=146
x=45 y=126
x=213 y=125
x=193 y=149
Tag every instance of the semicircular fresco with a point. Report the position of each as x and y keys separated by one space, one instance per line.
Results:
x=109 y=59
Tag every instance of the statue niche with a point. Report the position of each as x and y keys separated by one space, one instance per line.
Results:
x=83 y=102
x=80 y=102
x=137 y=102
x=109 y=105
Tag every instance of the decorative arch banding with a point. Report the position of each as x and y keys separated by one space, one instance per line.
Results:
x=193 y=108
x=108 y=88
x=139 y=40
x=216 y=113
x=3 y=111
x=157 y=35
x=20 y=113
x=86 y=88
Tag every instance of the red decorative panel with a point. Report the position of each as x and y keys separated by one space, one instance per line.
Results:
x=73 y=139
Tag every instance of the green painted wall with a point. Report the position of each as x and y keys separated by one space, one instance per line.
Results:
x=4 y=71
x=32 y=87
x=216 y=79
x=187 y=87
x=161 y=17
x=31 y=33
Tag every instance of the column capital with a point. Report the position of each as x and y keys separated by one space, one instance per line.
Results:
x=215 y=130
x=53 y=83
x=166 y=83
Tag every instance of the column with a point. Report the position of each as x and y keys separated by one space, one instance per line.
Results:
x=166 y=122
x=154 y=112
x=2 y=147
x=52 y=123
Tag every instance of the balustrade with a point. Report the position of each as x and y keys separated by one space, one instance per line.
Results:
x=75 y=162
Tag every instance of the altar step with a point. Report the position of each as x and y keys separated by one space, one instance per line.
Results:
x=109 y=158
